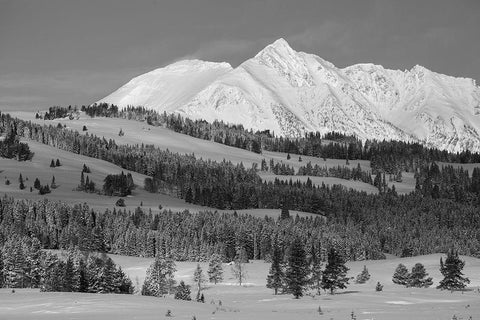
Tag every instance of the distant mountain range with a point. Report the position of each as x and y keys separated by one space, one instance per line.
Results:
x=292 y=92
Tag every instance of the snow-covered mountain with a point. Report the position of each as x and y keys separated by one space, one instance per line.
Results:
x=293 y=92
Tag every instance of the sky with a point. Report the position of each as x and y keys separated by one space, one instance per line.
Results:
x=72 y=52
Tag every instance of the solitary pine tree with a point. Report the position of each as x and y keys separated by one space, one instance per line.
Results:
x=183 y=292
x=215 y=269
x=20 y=181
x=275 y=278
x=364 y=276
x=401 y=275
x=37 y=184
x=335 y=274
x=419 y=277
x=451 y=270
x=296 y=275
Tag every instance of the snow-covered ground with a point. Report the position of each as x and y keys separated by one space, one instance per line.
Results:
x=255 y=301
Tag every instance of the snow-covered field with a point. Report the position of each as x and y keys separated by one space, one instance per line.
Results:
x=255 y=301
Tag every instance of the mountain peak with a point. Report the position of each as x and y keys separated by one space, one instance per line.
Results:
x=278 y=47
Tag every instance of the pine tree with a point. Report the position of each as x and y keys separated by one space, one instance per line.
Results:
x=68 y=275
x=57 y=163
x=199 y=279
x=284 y=214
x=316 y=272
x=37 y=184
x=20 y=182
x=53 y=184
x=364 y=276
x=401 y=275
x=34 y=260
x=52 y=164
x=215 y=269
x=335 y=274
x=160 y=277
x=296 y=275
x=379 y=287
x=419 y=277
x=451 y=270
x=275 y=278
x=52 y=273
x=182 y=292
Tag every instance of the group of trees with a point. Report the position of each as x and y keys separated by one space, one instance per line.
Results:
x=86 y=184
x=451 y=270
x=56 y=112
x=160 y=279
x=24 y=265
x=302 y=271
x=120 y=185
x=11 y=147
x=448 y=182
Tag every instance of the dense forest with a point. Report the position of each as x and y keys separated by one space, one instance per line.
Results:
x=434 y=218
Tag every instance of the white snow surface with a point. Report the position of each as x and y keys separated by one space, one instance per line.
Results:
x=292 y=92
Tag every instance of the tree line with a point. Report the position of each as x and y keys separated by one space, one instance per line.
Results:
x=24 y=265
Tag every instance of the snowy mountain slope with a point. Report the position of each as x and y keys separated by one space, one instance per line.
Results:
x=293 y=92
x=168 y=87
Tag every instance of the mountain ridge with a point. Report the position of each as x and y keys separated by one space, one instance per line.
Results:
x=292 y=92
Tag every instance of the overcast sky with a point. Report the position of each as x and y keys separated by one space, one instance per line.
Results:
x=60 y=52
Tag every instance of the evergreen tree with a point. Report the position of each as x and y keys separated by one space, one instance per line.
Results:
x=419 y=277
x=160 y=277
x=335 y=274
x=401 y=275
x=285 y=213
x=20 y=182
x=296 y=275
x=52 y=273
x=34 y=262
x=199 y=279
x=182 y=292
x=57 y=163
x=379 y=287
x=37 y=184
x=275 y=278
x=53 y=184
x=316 y=272
x=52 y=164
x=364 y=276
x=68 y=275
x=215 y=269
x=451 y=270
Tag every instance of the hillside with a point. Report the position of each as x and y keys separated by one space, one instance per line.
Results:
x=292 y=92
